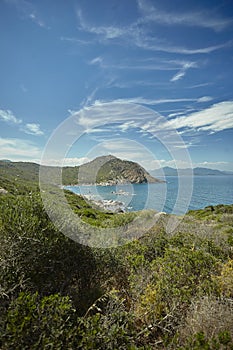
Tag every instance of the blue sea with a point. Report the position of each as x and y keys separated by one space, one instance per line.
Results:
x=177 y=195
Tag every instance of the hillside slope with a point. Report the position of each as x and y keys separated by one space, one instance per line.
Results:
x=105 y=169
x=112 y=170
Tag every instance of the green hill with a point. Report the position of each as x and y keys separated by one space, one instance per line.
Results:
x=112 y=170
x=105 y=169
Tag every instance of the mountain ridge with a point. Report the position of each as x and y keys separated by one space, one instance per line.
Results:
x=111 y=170
x=108 y=170
x=197 y=171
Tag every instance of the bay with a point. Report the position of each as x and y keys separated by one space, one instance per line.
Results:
x=177 y=195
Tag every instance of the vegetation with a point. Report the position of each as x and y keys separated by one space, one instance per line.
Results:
x=107 y=169
x=162 y=291
x=102 y=169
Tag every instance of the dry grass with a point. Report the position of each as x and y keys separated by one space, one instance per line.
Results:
x=208 y=315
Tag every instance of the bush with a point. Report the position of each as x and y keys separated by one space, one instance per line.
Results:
x=225 y=280
x=207 y=320
x=34 y=323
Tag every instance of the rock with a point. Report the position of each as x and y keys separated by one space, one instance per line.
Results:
x=3 y=191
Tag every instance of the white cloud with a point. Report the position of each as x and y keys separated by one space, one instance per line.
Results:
x=96 y=60
x=214 y=118
x=205 y=99
x=68 y=161
x=204 y=19
x=8 y=117
x=35 y=18
x=151 y=44
x=107 y=32
x=30 y=128
x=136 y=34
x=148 y=64
x=18 y=149
x=199 y=85
x=153 y=102
x=127 y=115
x=181 y=73
x=27 y=10
x=33 y=129
x=121 y=116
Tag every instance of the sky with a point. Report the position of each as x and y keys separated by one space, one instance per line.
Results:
x=145 y=80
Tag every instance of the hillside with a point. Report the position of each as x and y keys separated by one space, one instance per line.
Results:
x=112 y=170
x=161 y=291
x=109 y=169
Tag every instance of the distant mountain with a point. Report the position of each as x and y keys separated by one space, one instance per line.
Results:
x=168 y=171
x=5 y=160
x=112 y=170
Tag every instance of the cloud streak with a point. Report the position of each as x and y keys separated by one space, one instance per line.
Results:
x=215 y=118
x=150 y=44
x=136 y=33
x=201 y=19
x=146 y=65
x=153 y=102
x=181 y=73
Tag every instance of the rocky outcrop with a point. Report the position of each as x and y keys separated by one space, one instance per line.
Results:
x=109 y=170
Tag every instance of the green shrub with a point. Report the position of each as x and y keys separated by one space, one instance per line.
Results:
x=34 y=323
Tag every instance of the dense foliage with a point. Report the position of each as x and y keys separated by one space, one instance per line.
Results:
x=162 y=291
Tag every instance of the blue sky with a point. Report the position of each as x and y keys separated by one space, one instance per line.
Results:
x=145 y=80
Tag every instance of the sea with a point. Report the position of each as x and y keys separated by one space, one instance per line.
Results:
x=176 y=195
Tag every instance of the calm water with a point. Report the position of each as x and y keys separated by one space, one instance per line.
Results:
x=176 y=196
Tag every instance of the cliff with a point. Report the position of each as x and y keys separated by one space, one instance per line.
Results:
x=111 y=170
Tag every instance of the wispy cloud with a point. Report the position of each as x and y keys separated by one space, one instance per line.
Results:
x=150 y=44
x=153 y=102
x=195 y=86
x=145 y=65
x=107 y=32
x=75 y=40
x=33 y=129
x=96 y=60
x=121 y=118
x=205 y=99
x=37 y=20
x=27 y=10
x=181 y=73
x=136 y=34
x=18 y=149
x=204 y=19
x=68 y=161
x=215 y=118
x=8 y=117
